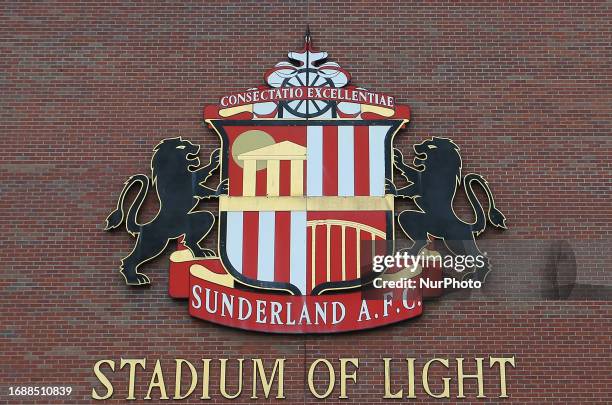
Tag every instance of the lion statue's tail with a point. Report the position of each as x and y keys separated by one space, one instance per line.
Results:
x=115 y=219
x=496 y=218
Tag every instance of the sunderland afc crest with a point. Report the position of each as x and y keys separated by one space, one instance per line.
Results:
x=306 y=202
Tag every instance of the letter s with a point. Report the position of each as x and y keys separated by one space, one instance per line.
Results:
x=107 y=384
x=196 y=296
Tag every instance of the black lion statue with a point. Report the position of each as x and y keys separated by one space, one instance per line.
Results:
x=178 y=179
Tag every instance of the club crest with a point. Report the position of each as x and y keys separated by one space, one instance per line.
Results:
x=306 y=201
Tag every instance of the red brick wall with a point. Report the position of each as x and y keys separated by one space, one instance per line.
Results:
x=86 y=91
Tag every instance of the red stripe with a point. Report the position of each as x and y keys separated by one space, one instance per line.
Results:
x=304 y=171
x=285 y=177
x=235 y=173
x=362 y=159
x=282 y=247
x=330 y=160
x=250 y=235
x=350 y=254
x=321 y=255
x=261 y=185
x=367 y=258
x=335 y=247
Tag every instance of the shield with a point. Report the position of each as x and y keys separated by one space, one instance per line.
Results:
x=306 y=200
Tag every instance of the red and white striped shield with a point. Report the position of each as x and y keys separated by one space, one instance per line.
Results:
x=304 y=198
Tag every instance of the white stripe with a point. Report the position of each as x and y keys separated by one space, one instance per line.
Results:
x=298 y=250
x=377 y=160
x=265 y=246
x=346 y=161
x=234 y=238
x=314 y=161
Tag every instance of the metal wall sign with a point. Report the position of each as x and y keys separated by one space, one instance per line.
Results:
x=306 y=201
